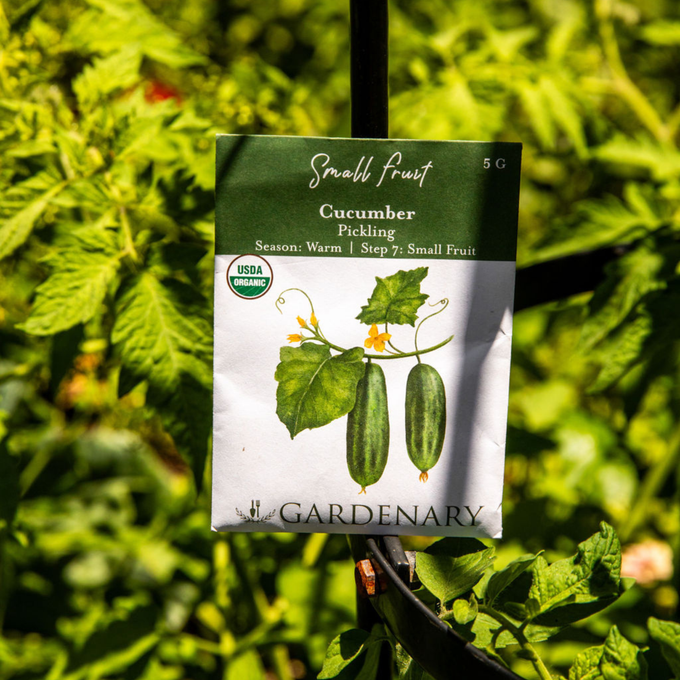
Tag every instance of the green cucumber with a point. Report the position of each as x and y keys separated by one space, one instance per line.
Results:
x=368 y=429
x=425 y=417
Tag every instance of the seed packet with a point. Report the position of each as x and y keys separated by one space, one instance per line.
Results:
x=363 y=324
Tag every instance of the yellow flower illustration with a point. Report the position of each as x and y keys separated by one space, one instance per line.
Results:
x=302 y=322
x=313 y=320
x=294 y=337
x=376 y=340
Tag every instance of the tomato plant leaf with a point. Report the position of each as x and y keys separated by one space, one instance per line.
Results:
x=621 y=659
x=586 y=665
x=74 y=291
x=465 y=612
x=395 y=299
x=409 y=669
x=661 y=161
x=114 y=24
x=575 y=587
x=602 y=222
x=15 y=230
x=456 y=547
x=186 y=414
x=117 y=71
x=450 y=577
x=344 y=649
x=487 y=630
x=500 y=580
x=315 y=388
x=623 y=350
x=538 y=112
x=633 y=276
x=667 y=634
x=65 y=348
x=564 y=112
x=162 y=331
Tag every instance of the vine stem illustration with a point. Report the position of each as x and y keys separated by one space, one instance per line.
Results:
x=317 y=333
x=445 y=303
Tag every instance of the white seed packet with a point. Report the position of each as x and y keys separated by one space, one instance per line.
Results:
x=363 y=325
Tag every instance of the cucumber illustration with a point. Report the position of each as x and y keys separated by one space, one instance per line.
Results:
x=320 y=381
x=425 y=417
x=368 y=429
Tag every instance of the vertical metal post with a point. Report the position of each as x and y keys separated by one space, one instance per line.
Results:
x=369 y=102
x=369 y=68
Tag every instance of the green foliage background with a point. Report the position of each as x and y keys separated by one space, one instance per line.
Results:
x=108 y=110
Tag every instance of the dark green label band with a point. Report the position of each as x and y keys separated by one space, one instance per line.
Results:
x=331 y=197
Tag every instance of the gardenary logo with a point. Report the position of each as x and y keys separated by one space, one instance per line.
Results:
x=249 y=276
x=254 y=513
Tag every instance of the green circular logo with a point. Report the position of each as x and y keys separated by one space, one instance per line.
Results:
x=249 y=276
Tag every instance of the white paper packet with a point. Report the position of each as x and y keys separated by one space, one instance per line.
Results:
x=363 y=325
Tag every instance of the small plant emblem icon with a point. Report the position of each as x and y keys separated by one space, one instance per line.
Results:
x=254 y=513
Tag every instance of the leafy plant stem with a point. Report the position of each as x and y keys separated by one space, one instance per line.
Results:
x=517 y=633
x=124 y=220
x=261 y=611
x=256 y=598
x=221 y=555
x=281 y=661
x=630 y=92
x=653 y=481
x=127 y=234
x=32 y=471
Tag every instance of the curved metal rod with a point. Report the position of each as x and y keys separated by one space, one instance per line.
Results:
x=456 y=657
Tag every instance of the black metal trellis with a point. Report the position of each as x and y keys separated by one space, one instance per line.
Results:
x=442 y=652
x=435 y=645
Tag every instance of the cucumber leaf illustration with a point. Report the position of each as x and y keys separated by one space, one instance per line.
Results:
x=395 y=299
x=314 y=387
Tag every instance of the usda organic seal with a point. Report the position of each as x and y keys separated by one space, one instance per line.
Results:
x=249 y=276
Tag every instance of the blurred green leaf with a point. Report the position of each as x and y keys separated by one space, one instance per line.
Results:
x=662 y=33
x=117 y=71
x=187 y=417
x=246 y=666
x=15 y=230
x=623 y=350
x=115 y=646
x=637 y=274
x=128 y=25
x=667 y=634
